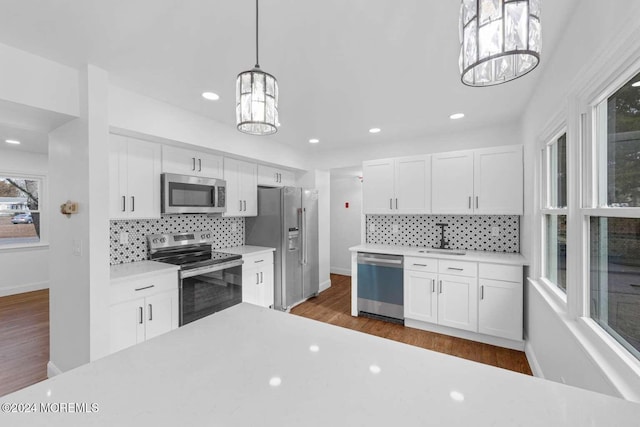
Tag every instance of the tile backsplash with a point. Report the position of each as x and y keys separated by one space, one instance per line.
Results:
x=468 y=232
x=226 y=231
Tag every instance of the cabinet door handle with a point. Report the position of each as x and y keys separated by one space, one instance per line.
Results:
x=433 y=285
x=240 y=209
x=199 y=165
x=476 y=202
x=133 y=203
x=275 y=174
x=194 y=164
x=390 y=203
x=245 y=205
x=257 y=278
x=261 y=278
x=279 y=177
x=124 y=203
x=141 y=318
x=146 y=287
x=469 y=202
x=396 y=203
x=440 y=289
x=150 y=311
x=482 y=292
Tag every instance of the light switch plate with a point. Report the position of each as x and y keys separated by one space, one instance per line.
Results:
x=395 y=228
x=495 y=231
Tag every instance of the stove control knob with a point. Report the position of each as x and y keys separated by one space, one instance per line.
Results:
x=208 y=236
x=162 y=240
x=203 y=236
x=155 y=240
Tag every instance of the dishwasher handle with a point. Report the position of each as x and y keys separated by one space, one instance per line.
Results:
x=394 y=261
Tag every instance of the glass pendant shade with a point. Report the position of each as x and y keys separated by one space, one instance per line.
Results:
x=499 y=40
x=256 y=102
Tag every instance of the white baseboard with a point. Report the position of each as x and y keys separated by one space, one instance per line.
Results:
x=340 y=270
x=52 y=370
x=20 y=289
x=325 y=285
x=533 y=360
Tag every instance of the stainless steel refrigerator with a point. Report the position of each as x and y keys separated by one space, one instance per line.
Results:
x=288 y=221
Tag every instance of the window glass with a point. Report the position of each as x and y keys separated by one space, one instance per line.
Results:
x=556 y=250
x=558 y=173
x=623 y=146
x=615 y=278
x=19 y=210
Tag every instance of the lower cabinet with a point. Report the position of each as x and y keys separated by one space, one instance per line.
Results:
x=257 y=279
x=476 y=297
x=142 y=309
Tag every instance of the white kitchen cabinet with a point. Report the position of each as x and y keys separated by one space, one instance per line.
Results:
x=397 y=186
x=452 y=183
x=134 y=178
x=257 y=279
x=420 y=295
x=457 y=302
x=242 y=187
x=185 y=161
x=500 y=304
x=498 y=181
x=273 y=177
x=141 y=309
x=487 y=181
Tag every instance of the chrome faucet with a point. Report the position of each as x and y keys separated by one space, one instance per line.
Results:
x=443 y=243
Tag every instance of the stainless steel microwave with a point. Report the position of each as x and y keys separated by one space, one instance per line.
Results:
x=192 y=194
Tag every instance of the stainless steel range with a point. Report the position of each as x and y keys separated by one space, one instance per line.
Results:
x=209 y=281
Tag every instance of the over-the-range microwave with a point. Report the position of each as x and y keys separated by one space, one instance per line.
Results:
x=192 y=194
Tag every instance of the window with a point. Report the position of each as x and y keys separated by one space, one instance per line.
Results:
x=19 y=210
x=555 y=211
x=614 y=224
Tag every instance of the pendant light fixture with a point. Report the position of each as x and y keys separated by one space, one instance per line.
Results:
x=499 y=40
x=257 y=99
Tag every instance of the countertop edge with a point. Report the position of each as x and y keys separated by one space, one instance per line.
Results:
x=140 y=270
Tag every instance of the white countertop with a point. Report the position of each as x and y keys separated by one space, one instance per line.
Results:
x=140 y=269
x=246 y=250
x=220 y=370
x=479 y=256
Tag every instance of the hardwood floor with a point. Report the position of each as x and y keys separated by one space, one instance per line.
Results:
x=24 y=340
x=334 y=306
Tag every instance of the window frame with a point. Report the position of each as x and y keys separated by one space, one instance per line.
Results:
x=546 y=210
x=42 y=210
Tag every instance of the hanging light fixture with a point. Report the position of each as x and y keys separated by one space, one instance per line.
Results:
x=256 y=99
x=499 y=40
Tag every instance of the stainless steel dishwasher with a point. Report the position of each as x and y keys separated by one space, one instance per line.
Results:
x=380 y=286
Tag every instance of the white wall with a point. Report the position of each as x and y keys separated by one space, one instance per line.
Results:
x=345 y=222
x=563 y=346
x=321 y=181
x=25 y=269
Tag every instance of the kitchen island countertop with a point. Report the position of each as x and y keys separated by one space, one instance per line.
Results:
x=248 y=365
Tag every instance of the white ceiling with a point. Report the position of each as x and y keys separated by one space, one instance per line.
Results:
x=342 y=66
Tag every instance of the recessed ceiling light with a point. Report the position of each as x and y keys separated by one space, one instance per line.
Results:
x=210 y=96
x=456 y=116
x=314 y=140
x=374 y=130
x=636 y=84
x=12 y=141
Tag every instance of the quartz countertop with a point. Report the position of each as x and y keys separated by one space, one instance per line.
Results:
x=246 y=250
x=140 y=269
x=248 y=364
x=478 y=256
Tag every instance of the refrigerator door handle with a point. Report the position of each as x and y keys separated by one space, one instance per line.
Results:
x=304 y=234
x=301 y=236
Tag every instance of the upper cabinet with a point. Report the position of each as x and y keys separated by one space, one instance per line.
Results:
x=134 y=178
x=487 y=181
x=189 y=162
x=397 y=186
x=273 y=177
x=242 y=187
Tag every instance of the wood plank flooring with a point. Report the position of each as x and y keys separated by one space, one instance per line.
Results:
x=24 y=340
x=334 y=306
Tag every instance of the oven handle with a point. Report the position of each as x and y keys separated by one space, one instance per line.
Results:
x=210 y=268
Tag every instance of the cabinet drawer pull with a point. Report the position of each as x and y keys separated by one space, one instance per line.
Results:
x=150 y=311
x=420 y=265
x=146 y=287
x=260 y=260
x=455 y=268
x=141 y=319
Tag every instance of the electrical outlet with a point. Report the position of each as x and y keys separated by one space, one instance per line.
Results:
x=234 y=227
x=76 y=247
x=124 y=238
x=372 y=228
x=395 y=228
x=495 y=231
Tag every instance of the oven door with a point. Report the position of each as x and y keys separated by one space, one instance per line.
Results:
x=192 y=194
x=207 y=290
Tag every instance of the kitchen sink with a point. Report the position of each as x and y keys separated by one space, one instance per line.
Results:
x=442 y=251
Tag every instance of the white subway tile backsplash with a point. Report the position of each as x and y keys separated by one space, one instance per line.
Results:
x=226 y=231
x=467 y=232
